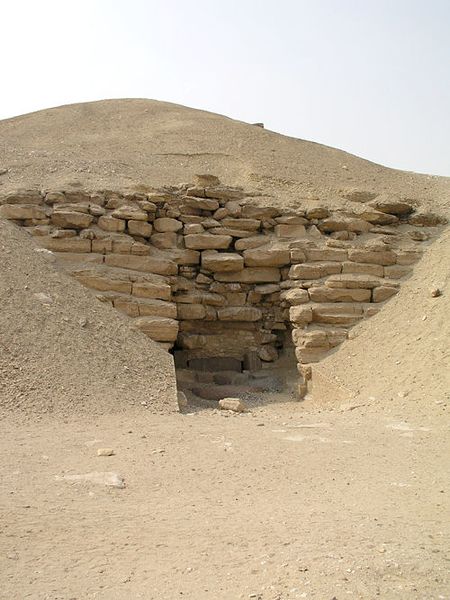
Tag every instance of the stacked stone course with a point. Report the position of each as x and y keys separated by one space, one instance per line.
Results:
x=211 y=272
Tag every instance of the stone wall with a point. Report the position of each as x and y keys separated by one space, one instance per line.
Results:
x=209 y=272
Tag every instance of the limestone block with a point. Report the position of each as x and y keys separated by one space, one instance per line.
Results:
x=199 y=297
x=160 y=329
x=233 y=209
x=96 y=210
x=65 y=244
x=267 y=288
x=210 y=223
x=126 y=306
x=298 y=255
x=326 y=294
x=147 y=264
x=396 y=271
x=221 y=262
x=220 y=213
x=391 y=205
x=353 y=280
x=237 y=233
x=71 y=219
x=251 y=275
x=245 y=224
x=103 y=245
x=291 y=220
x=268 y=353
x=54 y=198
x=200 y=203
x=251 y=242
x=337 y=314
x=184 y=257
x=295 y=296
x=300 y=315
x=164 y=240
x=379 y=294
x=156 y=308
x=191 y=341
x=207 y=241
x=314 y=271
x=130 y=213
x=22 y=211
x=363 y=268
x=166 y=224
x=140 y=249
x=102 y=282
x=326 y=254
x=260 y=212
x=384 y=257
x=426 y=219
x=224 y=193
x=108 y=223
x=149 y=207
x=148 y=289
x=233 y=404
x=319 y=212
x=408 y=257
x=239 y=313
x=310 y=355
x=236 y=298
x=224 y=288
x=271 y=257
x=377 y=217
x=122 y=245
x=191 y=311
x=340 y=223
x=23 y=197
x=290 y=231
x=76 y=258
x=310 y=339
x=141 y=228
x=191 y=228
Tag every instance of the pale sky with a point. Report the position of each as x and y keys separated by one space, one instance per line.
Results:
x=368 y=76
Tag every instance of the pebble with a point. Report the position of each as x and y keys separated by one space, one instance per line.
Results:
x=435 y=292
x=105 y=452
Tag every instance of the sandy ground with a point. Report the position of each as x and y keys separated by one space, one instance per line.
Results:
x=287 y=501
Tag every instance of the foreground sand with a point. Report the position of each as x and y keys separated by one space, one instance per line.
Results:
x=288 y=501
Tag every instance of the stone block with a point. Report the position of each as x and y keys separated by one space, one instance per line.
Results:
x=236 y=298
x=251 y=275
x=396 y=271
x=271 y=257
x=207 y=241
x=290 y=231
x=239 y=313
x=224 y=193
x=108 y=223
x=102 y=282
x=268 y=353
x=337 y=314
x=326 y=294
x=391 y=205
x=319 y=212
x=159 y=329
x=147 y=264
x=326 y=254
x=338 y=223
x=141 y=228
x=183 y=257
x=383 y=257
x=166 y=224
x=308 y=271
x=377 y=217
x=382 y=293
x=251 y=242
x=426 y=220
x=191 y=311
x=362 y=268
x=22 y=211
x=72 y=244
x=86 y=258
x=221 y=262
x=291 y=220
x=297 y=255
x=71 y=219
x=165 y=240
x=236 y=233
x=353 y=280
x=156 y=308
x=148 y=289
x=408 y=257
x=130 y=213
x=245 y=224
x=23 y=197
x=200 y=203
x=191 y=228
x=295 y=296
x=261 y=213
x=300 y=315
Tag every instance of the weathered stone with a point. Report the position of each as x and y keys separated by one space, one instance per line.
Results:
x=319 y=212
x=206 y=180
x=377 y=217
x=199 y=297
x=408 y=257
x=103 y=282
x=295 y=296
x=108 y=223
x=224 y=193
x=386 y=257
x=157 y=308
x=290 y=231
x=337 y=313
x=363 y=268
x=391 y=205
x=86 y=258
x=166 y=224
x=148 y=289
x=207 y=241
x=326 y=254
x=54 y=198
x=244 y=224
x=251 y=275
x=298 y=255
x=66 y=244
x=252 y=211
x=271 y=257
x=22 y=211
x=183 y=256
x=22 y=197
x=326 y=294
x=201 y=203
x=147 y=264
x=221 y=262
x=141 y=228
x=210 y=223
x=233 y=404
x=130 y=212
x=353 y=280
x=251 y=242
x=237 y=233
x=291 y=220
x=191 y=311
x=339 y=223
x=379 y=294
x=160 y=329
x=239 y=313
x=427 y=220
x=314 y=271
x=300 y=315
x=71 y=219
x=359 y=196
x=268 y=353
x=164 y=241
x=236 y=298
x=396 y=271
x=192 y=228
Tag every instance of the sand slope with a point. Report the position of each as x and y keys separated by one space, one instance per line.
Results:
x=404 y=350
x=62 y=350
x=119 y=144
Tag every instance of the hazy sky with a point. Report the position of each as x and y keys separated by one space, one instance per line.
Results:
x=369 y=76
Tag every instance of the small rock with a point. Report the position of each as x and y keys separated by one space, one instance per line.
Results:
x=435 y=292
x=105 y=452
x=182 y=400
x=234 y=404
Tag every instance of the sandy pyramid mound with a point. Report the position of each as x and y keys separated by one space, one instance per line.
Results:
x=404 y=350
x=62 y=350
